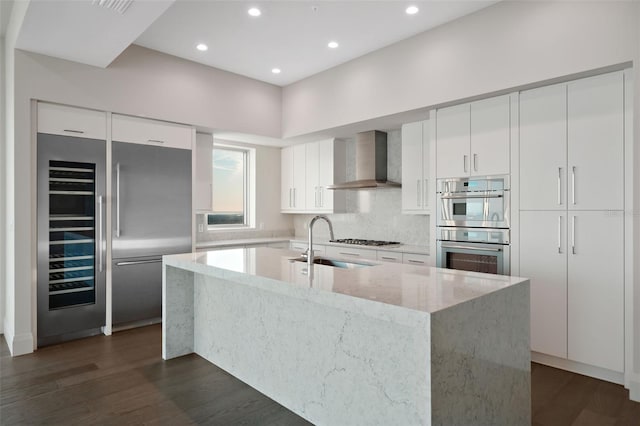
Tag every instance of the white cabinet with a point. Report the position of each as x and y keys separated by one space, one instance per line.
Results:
x=293 y=180
x=572 y=145
x=572 y=218
x=389 y=256
x=543 y=148
x=307 y=170
x=350 y=252
x=453 y=141
x=415 y=259
x=596 y=289
x=575 y=262
x=69 y=121
x=595 y=136
x=415 y=168
x=125 y=128
x=204 y=172
x=543 y=258
x=473 y=139
x=301 y=247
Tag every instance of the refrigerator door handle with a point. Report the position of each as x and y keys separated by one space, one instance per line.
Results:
x=138 y=262
x=118 y=200
x=100 y=235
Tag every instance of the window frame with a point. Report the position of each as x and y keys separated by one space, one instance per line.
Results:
x=248 y=187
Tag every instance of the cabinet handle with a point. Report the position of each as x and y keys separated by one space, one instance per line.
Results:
x=559 y=234
x=73 y=131
x=573 y=234
x=388 y=258
x=294 y=198
x=290 y=197
x=559 y=185
x=100 y=234
x=573 y=185
x=426 y=193
x=464 y=163
x=321 y=192
x=118 y=200
x=418 y=201
x=475 y=162
x=420 y=262
x=315 y=196
x=155 y=140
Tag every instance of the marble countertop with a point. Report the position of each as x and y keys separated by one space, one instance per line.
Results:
x=416 y=288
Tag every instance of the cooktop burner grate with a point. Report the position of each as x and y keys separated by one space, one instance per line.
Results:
x=361 y=242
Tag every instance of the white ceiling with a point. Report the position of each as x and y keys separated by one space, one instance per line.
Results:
x=291 y=35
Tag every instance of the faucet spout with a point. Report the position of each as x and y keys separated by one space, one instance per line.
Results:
x=310 y=247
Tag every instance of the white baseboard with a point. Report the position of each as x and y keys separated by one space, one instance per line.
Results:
x=634 y=388
x=577 y=367
x=20 y=344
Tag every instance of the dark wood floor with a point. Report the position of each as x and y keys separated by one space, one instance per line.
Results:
x=122 y=380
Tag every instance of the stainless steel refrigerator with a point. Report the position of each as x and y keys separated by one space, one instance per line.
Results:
x=151 y=217
x=71 y=237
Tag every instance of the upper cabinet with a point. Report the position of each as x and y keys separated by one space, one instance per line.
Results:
x=416 y=186
x=69 y=121
x=572 y=145
x=473 y=139
x=307 y=170
x=150 y=132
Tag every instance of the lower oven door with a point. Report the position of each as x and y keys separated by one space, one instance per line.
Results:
x=475 y=257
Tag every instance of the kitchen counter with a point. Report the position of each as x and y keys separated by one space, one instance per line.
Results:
x=240 y=242
x=381 y=344
x=400 y=248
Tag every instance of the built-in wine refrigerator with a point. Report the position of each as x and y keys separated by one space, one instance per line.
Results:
x=71 y=237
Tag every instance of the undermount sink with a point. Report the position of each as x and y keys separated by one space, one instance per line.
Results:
x=336 y=263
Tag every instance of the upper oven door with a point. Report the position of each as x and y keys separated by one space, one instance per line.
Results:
x=473 y=203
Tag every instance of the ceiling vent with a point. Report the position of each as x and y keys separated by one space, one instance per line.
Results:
x=119 y=6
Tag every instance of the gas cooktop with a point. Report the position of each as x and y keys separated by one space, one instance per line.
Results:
x=366 y=242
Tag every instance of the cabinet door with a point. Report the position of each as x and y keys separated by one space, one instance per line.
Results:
x=299 y=177
x=69 y=121
x=543 y=259
x=204 y=172
x=490 y=136
x=412 y=163
x=326 y=174
x=596 y=145
x=286 y=179
x=543 y=148
x=150 y=132
x=312 y=174
x=453 y=139
x=596 y=289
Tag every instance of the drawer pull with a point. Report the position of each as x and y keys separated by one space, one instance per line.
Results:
x=155 y=140
x=416 y=261
x=73 y=131
x=388 y=258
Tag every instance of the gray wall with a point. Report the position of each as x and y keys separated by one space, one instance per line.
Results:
x=373 y=214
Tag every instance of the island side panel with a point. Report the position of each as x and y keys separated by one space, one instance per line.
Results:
x=329 y=365
x=177 y=312
x=481 y=361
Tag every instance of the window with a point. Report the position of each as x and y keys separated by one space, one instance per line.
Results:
x=230 y=188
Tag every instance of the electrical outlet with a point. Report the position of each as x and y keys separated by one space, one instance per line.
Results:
x=200 y=227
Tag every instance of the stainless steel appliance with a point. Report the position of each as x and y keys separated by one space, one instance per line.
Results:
x=360 y=242
x=71 y=273
x=474 y=202
x=151 y=217
x=474 y=249
x=473 y=224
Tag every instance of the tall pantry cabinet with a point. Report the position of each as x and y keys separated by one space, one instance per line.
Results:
x=571 y=218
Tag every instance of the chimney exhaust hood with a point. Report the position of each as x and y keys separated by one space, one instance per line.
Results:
x=371 y=163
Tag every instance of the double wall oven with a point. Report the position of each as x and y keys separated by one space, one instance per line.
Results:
x=473 y=224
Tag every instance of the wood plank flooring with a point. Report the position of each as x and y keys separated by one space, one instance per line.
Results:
x=122 y=380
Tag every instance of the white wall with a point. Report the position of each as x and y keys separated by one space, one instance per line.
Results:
x=635 y=388
x=504 y=46
x=3 y=201
x=140 y=82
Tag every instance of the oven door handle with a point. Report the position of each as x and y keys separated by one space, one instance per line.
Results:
x=459 y=197
x=471 y=247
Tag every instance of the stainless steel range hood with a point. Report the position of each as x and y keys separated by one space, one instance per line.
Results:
x=371 y=163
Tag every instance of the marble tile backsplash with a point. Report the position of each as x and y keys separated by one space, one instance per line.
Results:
x=374 y=214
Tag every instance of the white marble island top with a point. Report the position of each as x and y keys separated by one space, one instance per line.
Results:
x=425 y=289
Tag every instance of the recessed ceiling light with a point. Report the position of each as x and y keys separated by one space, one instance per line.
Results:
x=254 y=11
x=202 y=47
x=333 y=44
x=412 y=10
x=276 y=70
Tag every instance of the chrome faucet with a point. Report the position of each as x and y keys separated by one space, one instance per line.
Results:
x=310 y=248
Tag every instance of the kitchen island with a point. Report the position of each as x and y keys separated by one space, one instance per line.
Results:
x=378 y=344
